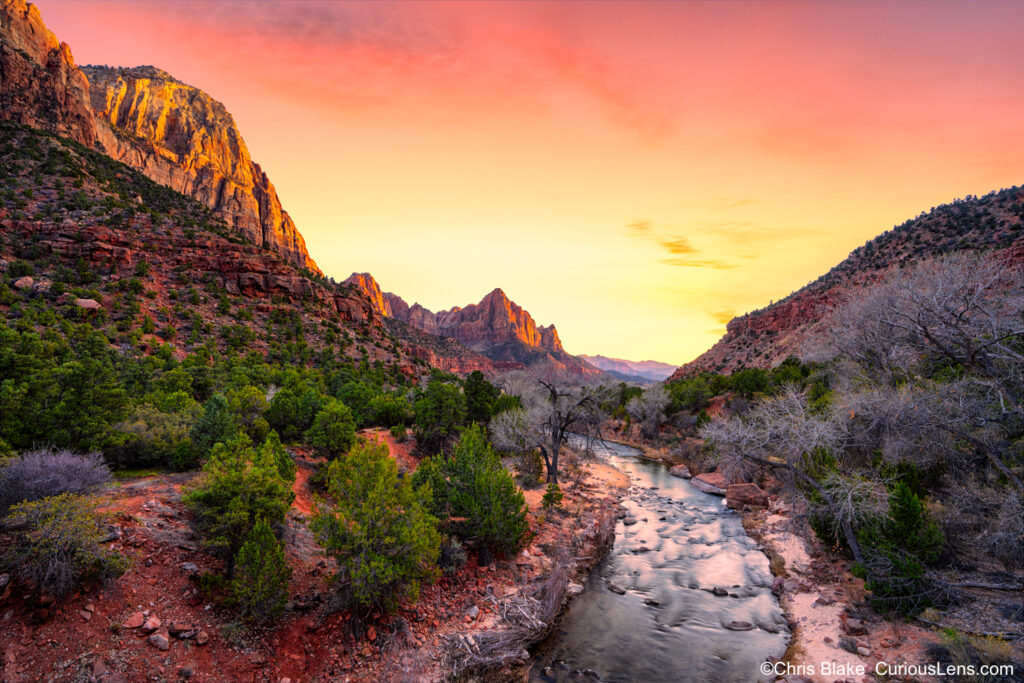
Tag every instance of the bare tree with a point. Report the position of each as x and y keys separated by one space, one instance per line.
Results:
x=549 y=414
x=780 y=433
x=648 y=409
x=964 y=312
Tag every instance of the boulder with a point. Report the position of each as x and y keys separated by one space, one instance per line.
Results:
x=738 y=495
x=711 y=482
x=25 y=282
x=681 y=471
x=88 y=304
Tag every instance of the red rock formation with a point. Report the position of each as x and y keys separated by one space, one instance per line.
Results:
x=181 y=137
x=763 y=338
x=40 y=85
x=369 y=288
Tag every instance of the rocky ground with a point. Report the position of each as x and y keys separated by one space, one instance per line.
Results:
x=155 y=624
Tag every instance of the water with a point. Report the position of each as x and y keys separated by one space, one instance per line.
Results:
x=668 y=625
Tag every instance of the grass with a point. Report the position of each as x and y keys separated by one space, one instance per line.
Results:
x=138 y=473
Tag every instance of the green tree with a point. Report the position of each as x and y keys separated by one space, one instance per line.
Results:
x=272 y=451
x=247 y=406
x=480 y=397
x=440 y=410
x=292 y=410
x=379 y=529
x=333 y=430
x=260 y=587
x=215 y=425
x=238 y=486
x=472 y=487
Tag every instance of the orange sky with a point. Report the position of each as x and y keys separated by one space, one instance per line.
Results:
x=634 y=173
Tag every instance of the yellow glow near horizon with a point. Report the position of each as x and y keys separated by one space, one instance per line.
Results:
x=634 y=173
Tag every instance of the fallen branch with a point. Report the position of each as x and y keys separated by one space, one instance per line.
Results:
x=1002 y=635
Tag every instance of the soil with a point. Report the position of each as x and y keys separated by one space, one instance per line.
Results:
x=84 y=637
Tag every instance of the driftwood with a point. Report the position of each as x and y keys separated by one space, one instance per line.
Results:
x=528 y=619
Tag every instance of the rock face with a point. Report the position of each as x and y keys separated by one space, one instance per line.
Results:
x=496 y=327
x=765 y=337
x=40 y=85
x=181 y=137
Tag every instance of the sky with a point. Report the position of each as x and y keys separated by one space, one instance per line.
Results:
x=635 y=173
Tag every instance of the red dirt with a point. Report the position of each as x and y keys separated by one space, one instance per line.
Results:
x=305 y=644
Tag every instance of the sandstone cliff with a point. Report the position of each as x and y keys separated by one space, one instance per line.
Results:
x=40 y=85
x=181 y=137
x=765 y=337
x=495 y=327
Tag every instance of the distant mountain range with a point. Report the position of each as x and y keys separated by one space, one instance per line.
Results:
x=643 y=371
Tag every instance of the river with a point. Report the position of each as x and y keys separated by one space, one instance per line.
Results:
x=657 y=607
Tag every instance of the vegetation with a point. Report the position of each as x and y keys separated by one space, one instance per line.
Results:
x=239 y=486
x=333 y=431
x=379 y=529
x=59 y=544
x=475 y=495
x=49 y=472
x=260 y=587
x=923 y=400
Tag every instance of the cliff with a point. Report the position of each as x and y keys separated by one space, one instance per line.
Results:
x=182 y=138
x=765 y=337
x=40 y=85
x=496 y=327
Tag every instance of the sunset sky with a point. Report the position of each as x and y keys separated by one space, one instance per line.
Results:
x=634 y=173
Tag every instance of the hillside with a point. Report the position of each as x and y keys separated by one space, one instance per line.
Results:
x=496 y=327
x=764 y=337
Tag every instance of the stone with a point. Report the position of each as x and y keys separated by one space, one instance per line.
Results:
x=187 y=671
x=88 y=304
x=719 y=591
x=202 y=638
x=630 y=521
x=614 y=588
x=681 y=471
x=737 y=625
x=371 y=634
x=182 y=631
x=86 y=614
x=574 y=588
x=98 y=668
x=134 y=621
x=25 y=282
x=151 y=624
x=738 y=495
x=710 y=482
x=853 y=627
x=160 y=639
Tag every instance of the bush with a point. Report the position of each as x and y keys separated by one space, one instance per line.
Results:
x=333 y=430
x=237 y=487
x=58 y=545
x=292 y=410
x=399 y=432
x=215 y=425
x=156 y=436
x=248 y=405
x=552 y=497
x=260 y=587
x=896 y=550
x=48 y=472
x=471 y=486
x=380 y=530
x=452 y=557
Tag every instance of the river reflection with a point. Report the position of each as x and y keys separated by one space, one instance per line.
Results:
x=650 y=611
